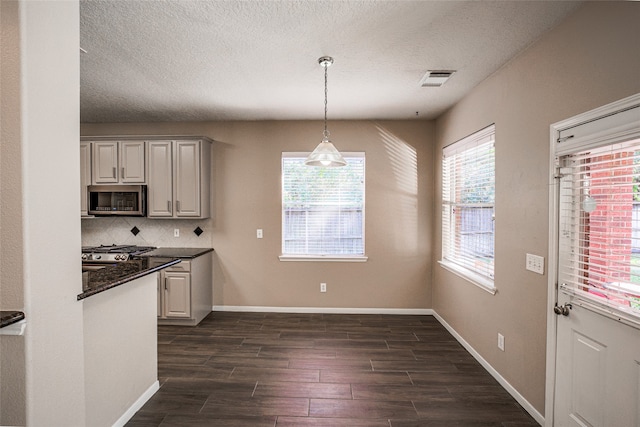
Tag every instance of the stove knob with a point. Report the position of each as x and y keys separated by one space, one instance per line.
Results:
x=119 y=257
x=98 y=257
x=84 y=257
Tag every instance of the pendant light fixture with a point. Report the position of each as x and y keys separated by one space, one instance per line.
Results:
x=325 y=153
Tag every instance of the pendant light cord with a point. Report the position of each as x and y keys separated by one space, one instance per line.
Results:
x=325 y=154
x=326 y=92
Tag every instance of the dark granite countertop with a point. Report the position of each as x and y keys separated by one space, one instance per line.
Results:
x=10 y=317
x=94 y=282
x=177 y=252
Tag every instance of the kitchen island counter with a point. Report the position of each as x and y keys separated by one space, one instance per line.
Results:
x=95 y=282
x=8 y=318
x=177 y=252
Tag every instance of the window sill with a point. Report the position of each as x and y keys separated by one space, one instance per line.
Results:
x=325 y=258
x=483 y=283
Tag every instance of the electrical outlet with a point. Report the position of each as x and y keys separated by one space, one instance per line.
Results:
x=176 y=232
x=501 y=341
x=323 y=287
x=535 y=263
x=259 y=233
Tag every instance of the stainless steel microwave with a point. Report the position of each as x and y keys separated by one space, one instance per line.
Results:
x=127 y=200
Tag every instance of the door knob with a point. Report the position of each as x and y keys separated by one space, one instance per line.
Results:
x=562 y=309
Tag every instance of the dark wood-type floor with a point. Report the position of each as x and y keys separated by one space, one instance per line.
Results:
x=268 y=369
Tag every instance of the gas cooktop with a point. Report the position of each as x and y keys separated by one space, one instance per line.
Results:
x=110 y=253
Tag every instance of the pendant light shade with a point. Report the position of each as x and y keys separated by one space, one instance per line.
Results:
x=325 y=154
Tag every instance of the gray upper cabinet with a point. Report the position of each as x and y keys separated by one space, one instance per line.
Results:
x=177 y=171
x=85 y=176
x=188 y=170
x=105 y=162
x=117 y=162
x=179 y=183
x=160 y=188
x=132 y=162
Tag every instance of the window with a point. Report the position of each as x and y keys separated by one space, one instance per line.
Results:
x=322 y=209
x=599 y=238
x=468 y=207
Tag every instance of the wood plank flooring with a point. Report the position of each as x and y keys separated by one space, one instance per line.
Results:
x=333 y=370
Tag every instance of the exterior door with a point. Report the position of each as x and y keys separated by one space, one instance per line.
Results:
x=595 y=283
x=598 y=365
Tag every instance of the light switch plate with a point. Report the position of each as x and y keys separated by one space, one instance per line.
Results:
x=535 y=263
x=259 y=233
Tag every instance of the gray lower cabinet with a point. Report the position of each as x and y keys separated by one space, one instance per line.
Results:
x=176 y=295
x=185 y=291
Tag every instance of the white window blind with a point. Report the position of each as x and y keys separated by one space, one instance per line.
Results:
x=468 y=205
x=323 y=208
x=599 y=241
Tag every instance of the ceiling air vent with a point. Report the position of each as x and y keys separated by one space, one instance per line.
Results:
x=436 y=78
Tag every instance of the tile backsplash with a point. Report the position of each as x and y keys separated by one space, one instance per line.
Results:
x=152 y=232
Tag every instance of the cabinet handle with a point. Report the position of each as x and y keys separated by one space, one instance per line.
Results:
x=169 y=205
x=178 y=206
x=123 y=172
x=165 y=283
x=115 y=173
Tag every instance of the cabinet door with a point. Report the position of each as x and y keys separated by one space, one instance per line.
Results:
x=105 y=162
x=187 y=163
x=132 y=161
x=160 y=293
x=85 y=175
x=160 y=185
x=177 y=296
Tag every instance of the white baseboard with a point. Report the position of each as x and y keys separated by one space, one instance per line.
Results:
x=495 y=374
x=324 y=310
x=137 y=404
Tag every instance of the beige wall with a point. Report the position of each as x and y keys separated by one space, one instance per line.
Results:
x=589 y=60
x=42 y=155
x=399 y=210
x=12 y=360
x=10 y=161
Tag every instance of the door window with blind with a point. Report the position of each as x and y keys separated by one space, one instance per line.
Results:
x=323 y=209
x=599 y=240
x=468 y=207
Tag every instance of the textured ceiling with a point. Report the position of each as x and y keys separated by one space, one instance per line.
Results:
x=178 y=60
